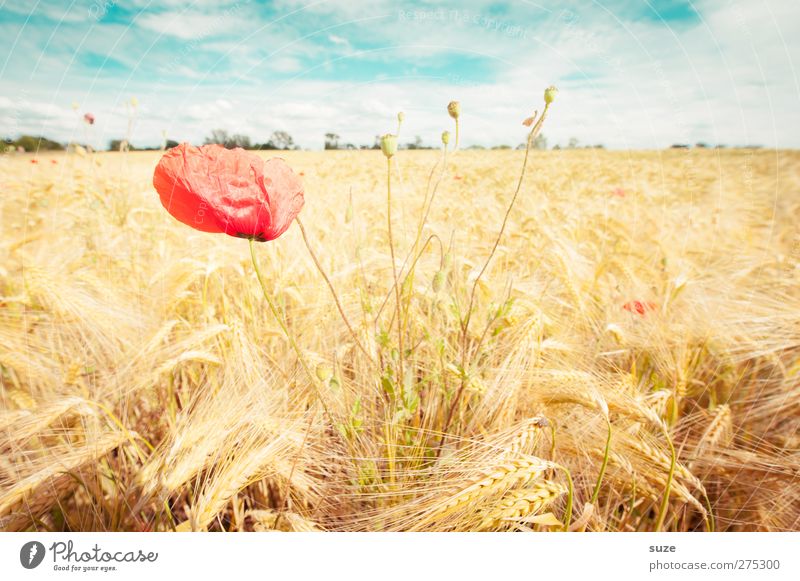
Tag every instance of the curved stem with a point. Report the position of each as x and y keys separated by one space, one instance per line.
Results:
x=394 y=264
x=603 y=466
x=416 y=259
x=276 y=313
x=531 y=136
x=662 y=511
x=570 y=497
x=333 y=291
x=426 y=208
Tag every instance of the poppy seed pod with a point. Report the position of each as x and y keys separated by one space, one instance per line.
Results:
x=438 y=281
x=550 y=94
x=324 y=372
x=389 y=145
x=454 y=109
x=445 y=137
x=401 y=117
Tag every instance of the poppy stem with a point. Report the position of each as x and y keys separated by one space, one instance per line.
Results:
x=276 y=313
x=465 y=324
x=662 y=509
x=531 y=136
x=394 y=267
x=333 y=290
x=603 y=466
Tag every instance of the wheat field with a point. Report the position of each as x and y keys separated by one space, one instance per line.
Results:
x=631 y=361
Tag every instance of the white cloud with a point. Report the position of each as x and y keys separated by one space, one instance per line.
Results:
x=338 y=40
x=624 y=82
x=191 y=25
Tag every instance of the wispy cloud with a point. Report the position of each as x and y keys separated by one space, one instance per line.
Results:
x=632 y=74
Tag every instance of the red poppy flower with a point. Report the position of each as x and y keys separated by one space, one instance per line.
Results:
x=231 y=191
x=89 y=118
x=639 y=307
x=34 y=161
x=619 y=192
x=54 y=161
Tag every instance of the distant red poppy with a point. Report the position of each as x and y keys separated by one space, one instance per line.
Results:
x=89 y=118
x=639 y=307
x=457 y=178
x=34 y=161
x=54 y=161
x=619 y=192
x=230 y=191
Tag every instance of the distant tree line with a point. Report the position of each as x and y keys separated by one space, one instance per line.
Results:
x=33 y=143
x=281 y=140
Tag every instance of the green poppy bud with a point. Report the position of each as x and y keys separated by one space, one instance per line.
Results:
x=389 y=145
x=438 y=281
x=324 y=372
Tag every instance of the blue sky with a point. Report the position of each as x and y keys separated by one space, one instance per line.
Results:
x=631 y=73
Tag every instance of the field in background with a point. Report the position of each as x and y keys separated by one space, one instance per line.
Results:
x=653 y=296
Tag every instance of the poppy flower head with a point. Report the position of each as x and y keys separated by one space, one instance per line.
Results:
x=89 y=118
x=619 y=192
x=639 y=307
x=230 y=191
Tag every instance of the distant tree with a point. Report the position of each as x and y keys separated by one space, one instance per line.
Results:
x=219 y=136
x=238 y=140
x=223 y=138
x=701 y=145
x=120 y=145
x=599 y=146
x=170 y=144
x=281 y=140
x=501 y=147
x=36 y=143
x=556 y=147
x=572 y=143
x=331 y=141
x=540 y=142
x=679 y=146
x=416 y=144
x=476 y=146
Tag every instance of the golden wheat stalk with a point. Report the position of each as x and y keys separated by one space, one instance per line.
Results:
x=528 y=501
x=493 y=482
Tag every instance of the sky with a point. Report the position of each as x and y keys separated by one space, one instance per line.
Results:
x=632 y=74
